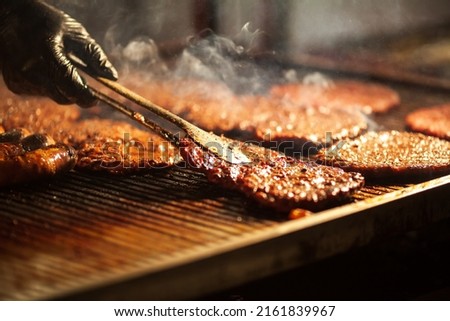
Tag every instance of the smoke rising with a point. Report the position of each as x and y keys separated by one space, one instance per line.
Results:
x=206 y=56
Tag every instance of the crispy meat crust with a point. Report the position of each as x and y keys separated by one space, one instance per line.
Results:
x=112 y=146
x=33 y=158
x=391 y=155
x=118 y=147
x=275 y=120
x=275 y=180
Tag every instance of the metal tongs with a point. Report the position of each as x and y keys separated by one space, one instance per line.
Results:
x=225 y=149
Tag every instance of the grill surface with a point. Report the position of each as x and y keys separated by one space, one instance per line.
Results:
x=155 y=236
x=81 y=228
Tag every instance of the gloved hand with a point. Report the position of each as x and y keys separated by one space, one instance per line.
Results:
x=35 y=42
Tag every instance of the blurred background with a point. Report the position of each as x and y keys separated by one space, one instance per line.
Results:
x=400 y=39
x=288 y=24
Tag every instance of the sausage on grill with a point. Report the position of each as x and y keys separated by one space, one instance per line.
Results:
x=32 y=158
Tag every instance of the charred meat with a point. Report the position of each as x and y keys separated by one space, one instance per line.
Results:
x=108 y=145
x=118 y=147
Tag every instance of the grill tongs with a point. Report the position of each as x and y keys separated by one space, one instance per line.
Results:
x=222 y=148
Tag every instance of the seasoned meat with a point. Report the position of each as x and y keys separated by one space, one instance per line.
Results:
x=107 y=145
x=391 y=155
x=33 y=157
x=118 y=147
x=13 y=136
x=275 y=180
x=37 y=115
x=348 y=94
x=300 y=128
x=215 y=108
x=434 y=121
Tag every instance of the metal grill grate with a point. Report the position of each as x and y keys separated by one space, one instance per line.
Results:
x=54 y=235
x=83 y=229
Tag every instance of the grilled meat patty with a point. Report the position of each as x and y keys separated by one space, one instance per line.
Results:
x=216 y=108
x=108 y=145
x=434 y=121
x=118 y=147
x=275 y=180
x=348 y=94
x=390 y=155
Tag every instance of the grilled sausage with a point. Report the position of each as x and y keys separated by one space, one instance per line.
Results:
x=13 y=136
x=32 y=158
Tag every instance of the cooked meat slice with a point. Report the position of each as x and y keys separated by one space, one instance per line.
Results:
x=215 y=108
x=38 y=115
x=298 y=128
x=434 y=121
x=391 y=155
x=118 y=147
x=37 y=164
x=275 y=180
x=32 y=158
x=13 y=136
x=351 y=94
x=113 y=146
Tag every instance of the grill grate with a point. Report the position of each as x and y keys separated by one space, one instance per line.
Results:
x=83 y=229
x=57 y=233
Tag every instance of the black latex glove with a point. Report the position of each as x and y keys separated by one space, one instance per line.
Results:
x=35 y=42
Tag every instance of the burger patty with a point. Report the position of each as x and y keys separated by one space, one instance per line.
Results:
x=118 y=147
x=390 y=155
x=433 y=121
x=348 y=94
x=108 y=145
x=301 y=128
x=273 y=120
x=275 y=180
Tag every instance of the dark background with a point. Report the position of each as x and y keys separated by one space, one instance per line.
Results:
x=411 y=266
